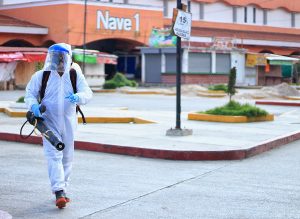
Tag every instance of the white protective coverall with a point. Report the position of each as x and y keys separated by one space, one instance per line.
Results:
x=60 y=116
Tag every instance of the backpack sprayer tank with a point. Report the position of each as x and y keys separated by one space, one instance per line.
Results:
x=47 y=133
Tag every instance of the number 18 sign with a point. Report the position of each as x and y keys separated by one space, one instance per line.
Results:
x=182 y=25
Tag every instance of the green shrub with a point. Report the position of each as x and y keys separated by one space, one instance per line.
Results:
x=119 y=80
x=236 y=109
x=218 y=87
x=134 y=84
x=21 y=100
x=110 y=85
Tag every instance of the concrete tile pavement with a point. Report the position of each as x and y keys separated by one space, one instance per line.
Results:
x=210 y=140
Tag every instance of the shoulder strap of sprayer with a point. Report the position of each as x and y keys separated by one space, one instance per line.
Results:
x=45 y=78
x=73 y=78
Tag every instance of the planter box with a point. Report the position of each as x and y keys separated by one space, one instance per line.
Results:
x=229 y=119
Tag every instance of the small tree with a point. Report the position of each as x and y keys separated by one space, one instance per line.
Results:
x=231 y=83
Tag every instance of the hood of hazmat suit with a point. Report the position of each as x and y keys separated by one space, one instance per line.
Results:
x=60 y=115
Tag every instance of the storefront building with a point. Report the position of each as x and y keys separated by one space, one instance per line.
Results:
x=223 y=32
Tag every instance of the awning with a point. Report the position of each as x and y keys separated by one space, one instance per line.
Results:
x=94 y=57
x=90 y=59
x=12 y=56
x=107 y=60
x=281 y=60
x=27 y=54
x=260 y=59
x=35 y=57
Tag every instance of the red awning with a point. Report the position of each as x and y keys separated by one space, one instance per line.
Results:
x=12 y=56
x=19 y=56
x=107 y=60
x=27 y=54
x=35 y=57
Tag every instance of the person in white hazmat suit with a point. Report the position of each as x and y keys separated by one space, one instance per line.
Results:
x=60 y=115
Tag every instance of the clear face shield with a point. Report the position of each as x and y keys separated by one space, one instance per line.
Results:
x=57 y=61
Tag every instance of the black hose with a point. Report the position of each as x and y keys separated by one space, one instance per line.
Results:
x=22 y=136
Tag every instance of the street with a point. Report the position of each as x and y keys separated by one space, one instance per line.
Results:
x=115 y=186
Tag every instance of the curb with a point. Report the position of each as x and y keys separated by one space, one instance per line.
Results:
x=169 y=154
x=277 y=103
x=104 y=91
x=89 y=119
x=211 y=94
x=228 y=119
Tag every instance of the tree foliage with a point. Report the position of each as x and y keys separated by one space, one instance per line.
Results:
x=231 y=83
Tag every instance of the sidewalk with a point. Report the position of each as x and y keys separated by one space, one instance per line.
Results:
x=210 y=140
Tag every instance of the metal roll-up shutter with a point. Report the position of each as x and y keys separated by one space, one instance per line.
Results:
x=153 y=68
x=170 y=63
x=199 y=62
x=223 y=63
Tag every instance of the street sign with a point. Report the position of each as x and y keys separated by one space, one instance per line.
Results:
x=182 y=25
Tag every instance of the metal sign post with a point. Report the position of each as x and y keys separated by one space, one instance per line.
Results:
x=84 y=36
x=182 y=30
x=178 y=76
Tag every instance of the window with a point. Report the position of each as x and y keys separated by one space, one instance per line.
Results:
x=201 y=11
x=293 y=20
x=265 y=14
x=254 y=15
x=234 y=14
x=245 y=15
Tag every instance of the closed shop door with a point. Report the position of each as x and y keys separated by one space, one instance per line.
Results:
x=153 y=68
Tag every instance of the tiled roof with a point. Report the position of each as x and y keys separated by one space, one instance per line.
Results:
x=10 y=21
x=290 y=5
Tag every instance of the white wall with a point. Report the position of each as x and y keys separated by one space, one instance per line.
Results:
x=250 y=15
x=279 y=18
x=171 y=4
x=297 y=20
x=240 y=15
x=238 y=61
x=218 y=12
x=156 y=3
x=195 y=10
x=95 y=74
x=259 y=16
x=250 y=76
x=9 y=2
x=118 y=1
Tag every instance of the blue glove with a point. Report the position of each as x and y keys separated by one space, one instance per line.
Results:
x=35 y=108
x=73 y=98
